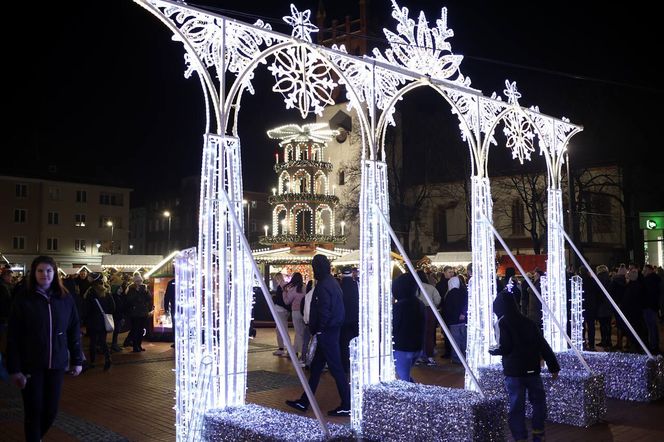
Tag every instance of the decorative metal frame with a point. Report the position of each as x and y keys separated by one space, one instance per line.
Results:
x=305 y=73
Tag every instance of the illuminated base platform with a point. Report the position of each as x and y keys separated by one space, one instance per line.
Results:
x=575 y=398
x=628 y=376
x=254 y=423
x=403 y=411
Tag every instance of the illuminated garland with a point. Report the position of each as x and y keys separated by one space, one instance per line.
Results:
x=289 y=238
x=303 y=198
x=324 y=165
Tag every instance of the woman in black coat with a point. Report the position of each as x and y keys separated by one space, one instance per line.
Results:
x=98 y=301
x=44 y=339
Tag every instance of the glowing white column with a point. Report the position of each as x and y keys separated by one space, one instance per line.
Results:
x=482 y=289
x=577 y=312
x=555 y=271
x=225 y=272
x=374 y=346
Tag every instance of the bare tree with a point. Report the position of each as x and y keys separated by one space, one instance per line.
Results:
x=523 y=199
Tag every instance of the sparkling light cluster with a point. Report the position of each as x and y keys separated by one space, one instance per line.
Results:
x=555 y=270
x=576 y=309
x=628 y=376
x=253 y=423
x=575 y=398
x=404 y=411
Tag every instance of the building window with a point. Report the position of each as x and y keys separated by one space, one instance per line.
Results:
x=440 y=225
x=79 y=245
x=21 y=191
x=81 y=196
x=54 y=193
x=518 y=218
x=53 y=218
x=600 y=207
x=111 y=199
x=341 y=178
x=20 y=215
x=18 y=242
x=51 y=243
x=79 y=220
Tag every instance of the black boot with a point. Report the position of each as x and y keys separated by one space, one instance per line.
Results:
x=107 y=364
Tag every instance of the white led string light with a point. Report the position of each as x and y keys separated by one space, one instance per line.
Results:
x=374 y=84
x=577 y=312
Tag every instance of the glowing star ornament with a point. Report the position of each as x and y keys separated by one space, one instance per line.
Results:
x=302 y=26
x=518 y=129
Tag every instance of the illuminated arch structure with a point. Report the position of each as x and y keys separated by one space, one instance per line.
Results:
x=218 y=274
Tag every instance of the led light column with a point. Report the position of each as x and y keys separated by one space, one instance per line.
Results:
x=374 y=348
x=556 y=296
x=577 y=312
x=226 y=279
x=483 y=282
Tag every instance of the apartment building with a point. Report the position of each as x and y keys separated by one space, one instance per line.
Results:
x=76 y=223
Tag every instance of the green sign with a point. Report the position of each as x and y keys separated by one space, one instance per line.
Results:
x=651 y=220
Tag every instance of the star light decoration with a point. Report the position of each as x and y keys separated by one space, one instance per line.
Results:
x=301 y=77
x=518 y=129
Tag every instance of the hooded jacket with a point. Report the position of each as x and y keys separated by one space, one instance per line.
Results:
x=327 y=304
x=520 y=341
x=407 y=315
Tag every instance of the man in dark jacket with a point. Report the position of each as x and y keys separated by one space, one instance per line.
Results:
x=522 y=346
x=325 y=320
x=350 y=327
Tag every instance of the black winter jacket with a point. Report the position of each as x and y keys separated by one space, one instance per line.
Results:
x=407 y=315
x=44 y=332
x=94 y=321
x=520 y=341
x=327 y=304
x=351 y=296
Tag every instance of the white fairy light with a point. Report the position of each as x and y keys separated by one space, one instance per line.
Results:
x=300 y=21
x=577 y=312
x=555 y=271
x=291 y=133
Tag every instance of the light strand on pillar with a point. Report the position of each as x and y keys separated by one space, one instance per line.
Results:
x=577 y=312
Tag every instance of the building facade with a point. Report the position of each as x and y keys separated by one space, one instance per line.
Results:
x=76 y=223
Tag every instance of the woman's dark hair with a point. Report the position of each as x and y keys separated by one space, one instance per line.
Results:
x=296 y=281
x=56 y=285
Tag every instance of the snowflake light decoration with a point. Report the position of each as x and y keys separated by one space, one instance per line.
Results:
x=302 y=26
x=317 y=132
x=518 y=129
x=422 y=49
x=304 y=80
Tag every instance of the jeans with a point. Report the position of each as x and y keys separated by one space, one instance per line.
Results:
x=459 y=334
x=516 y=416
x=403 y=362
x=283 y=317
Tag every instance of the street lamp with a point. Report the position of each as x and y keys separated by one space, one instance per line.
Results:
x=109 y=223
x=131 y=247
x=247 y=203
x=342 y=224
x=283 y=226
x=266 y=227
x=167 y=214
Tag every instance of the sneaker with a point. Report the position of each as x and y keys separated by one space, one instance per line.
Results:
x=339 y=412
x=420 y=361
x=115 y=348
x=431 y=362
x=298 y=405
x=280 y=352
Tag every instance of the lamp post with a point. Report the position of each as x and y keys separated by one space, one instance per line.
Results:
x=266 y=227
x=167 y=214
x=131 y=248
x=110 y=224
x=343 y=225
x=248 y=227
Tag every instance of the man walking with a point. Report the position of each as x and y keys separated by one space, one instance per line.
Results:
x=522 y=346
x=326 y=317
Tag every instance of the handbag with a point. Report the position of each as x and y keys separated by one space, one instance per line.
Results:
x=311 y=350
x=109 y=324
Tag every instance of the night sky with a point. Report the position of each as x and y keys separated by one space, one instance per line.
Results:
x=97 y=88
